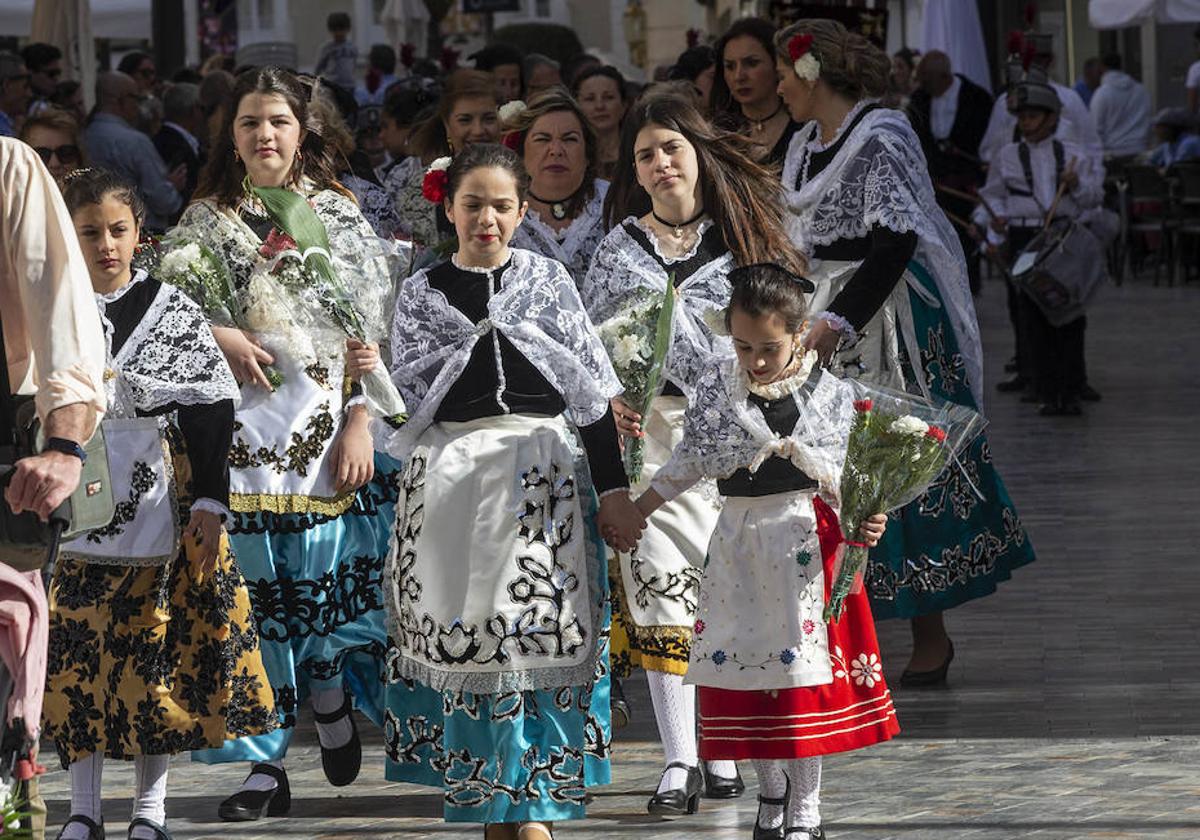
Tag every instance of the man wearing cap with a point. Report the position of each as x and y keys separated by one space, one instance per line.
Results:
x=1031 y=180
x=1173 y=129
x=1034 y=55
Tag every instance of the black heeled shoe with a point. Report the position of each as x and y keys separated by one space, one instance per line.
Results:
x=618 y=705
x=160 y=831
x=341 y=764
x=925 y=679
x=718 y=787
x=817 y=833
x=761 y=833
x=95 y=831
x=676 y=802
x=248 y=805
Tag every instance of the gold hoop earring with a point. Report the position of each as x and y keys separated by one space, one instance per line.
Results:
x=237 y=156
x=450 y=145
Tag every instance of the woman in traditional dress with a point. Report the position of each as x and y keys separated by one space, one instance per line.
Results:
x=565 y=221
x=311 y=514
x=600 y=92
x=778 y=684
x=466 y=114
x=743 y=97
x=893 y=307
x=496 y=591
x=688 y=204
x=153 y=647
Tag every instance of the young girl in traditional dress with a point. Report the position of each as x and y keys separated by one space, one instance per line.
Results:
x=496 y=587
x=688 y=203
x=153 y=647
x=778 y=685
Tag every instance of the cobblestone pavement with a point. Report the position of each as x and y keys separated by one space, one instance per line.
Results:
x=1071 y=709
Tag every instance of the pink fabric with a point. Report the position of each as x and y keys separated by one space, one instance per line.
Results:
x=24 y=637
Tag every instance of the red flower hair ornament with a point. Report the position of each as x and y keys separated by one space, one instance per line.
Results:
x=803 y=61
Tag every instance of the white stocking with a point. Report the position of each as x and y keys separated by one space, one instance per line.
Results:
x=86 y=775
x=150 y=797
x=772 y=784
x=339 y=732
x=261 y=781
x=804 y=803
x=675 y=712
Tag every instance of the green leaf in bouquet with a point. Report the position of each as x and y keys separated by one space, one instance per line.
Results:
x=662 y=337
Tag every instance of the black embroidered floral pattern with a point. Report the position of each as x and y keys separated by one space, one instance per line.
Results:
x=124 y=512
x=297 y=457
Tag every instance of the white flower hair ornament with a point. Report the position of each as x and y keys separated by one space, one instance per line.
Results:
x=510 y=111
x=803 y=61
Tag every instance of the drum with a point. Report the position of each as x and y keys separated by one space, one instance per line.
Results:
x=1061 y=269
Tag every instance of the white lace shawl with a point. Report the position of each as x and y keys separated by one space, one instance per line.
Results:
x=880 y=177
x=573 y=246
x=622 y=269
x=537 y=309
x=169 y=357
x=723 y=432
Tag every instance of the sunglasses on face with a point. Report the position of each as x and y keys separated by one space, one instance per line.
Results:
x=67 y=154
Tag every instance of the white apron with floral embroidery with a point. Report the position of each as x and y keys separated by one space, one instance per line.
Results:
x=491 y=565
x=758 y=624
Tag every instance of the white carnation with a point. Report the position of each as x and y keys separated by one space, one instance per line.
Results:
x=439 y=164
x=807 y=67
x=909 y=425
x=627 y=350
x=509 y=111
x=179 y=260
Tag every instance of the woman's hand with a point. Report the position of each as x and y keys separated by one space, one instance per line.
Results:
x=628 y=421
x=822 y=338
x=871 y=531
x=620 y=522
x=205 y=528
x=245 y=356
x=361 y=358
x=353 y=452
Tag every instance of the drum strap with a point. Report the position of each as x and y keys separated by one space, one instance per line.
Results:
x=1027 y=167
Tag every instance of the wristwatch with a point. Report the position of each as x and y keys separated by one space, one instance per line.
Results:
x=67 y=447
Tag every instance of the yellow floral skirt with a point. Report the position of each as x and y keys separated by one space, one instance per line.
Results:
x=152 y=660
x=664 y=649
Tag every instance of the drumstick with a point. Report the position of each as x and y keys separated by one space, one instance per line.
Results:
x=1062 y=188
x=975 y=198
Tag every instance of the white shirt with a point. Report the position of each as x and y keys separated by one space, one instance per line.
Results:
x=187 y=135
x=1193 y=75
x=943 y=109
x=1006 y=182
x=1074 y=125
x=1121 y=111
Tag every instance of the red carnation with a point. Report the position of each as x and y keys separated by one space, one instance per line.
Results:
x=408 y=55
x=1016 y=42
x=936 y=434
x=276 y=243
x=862 y=405
x=449 y=58
x=1027 y=54
x=434 y=185
x=512 y=140
x=693 y=37
x=799 y=45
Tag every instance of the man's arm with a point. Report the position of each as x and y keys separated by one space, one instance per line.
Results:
x=43 y=482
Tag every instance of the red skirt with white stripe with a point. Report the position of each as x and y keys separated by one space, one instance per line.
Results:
x=852 y=712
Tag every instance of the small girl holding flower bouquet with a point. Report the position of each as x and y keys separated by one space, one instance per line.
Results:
x=777 y=684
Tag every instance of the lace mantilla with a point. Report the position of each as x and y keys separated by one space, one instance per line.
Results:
x=573 y=246
x=652 y=235
x=622 y=271
x=800 y=370
x=537 y=309
x=879 y=177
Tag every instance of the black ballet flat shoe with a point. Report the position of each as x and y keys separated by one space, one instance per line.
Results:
x=618 y=705
x=1089 y=394
x=95 y=832
x=674 y=803
x=816 y=832
x=776 y=833
x=160 y=831
x=248 y=805
x=1013 y=385
x=718 y=787
x=341 y=764
x=927 y=679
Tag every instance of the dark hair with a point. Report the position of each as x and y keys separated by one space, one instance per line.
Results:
x=337 y=22
x=428 y=139
x=556 y=100
x=37 y=55
x=89 y=186
x=726 y=112
x=221 y=178
x=743 y=197
x=406 y=104
x=576 y=64
x=129 y=64
x=486 y=155
x=909 y=56
x=1111 y=61
x=765 y=289
x=602 y=70
x=850 y=64
x=383 y=57
x=495 y=55
x=692 y=62
x=188 y=75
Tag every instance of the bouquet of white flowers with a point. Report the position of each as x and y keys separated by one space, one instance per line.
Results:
x=637 y=340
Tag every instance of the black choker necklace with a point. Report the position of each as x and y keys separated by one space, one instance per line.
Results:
x=758 y=124
x=558 y=209
x=677 y=229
